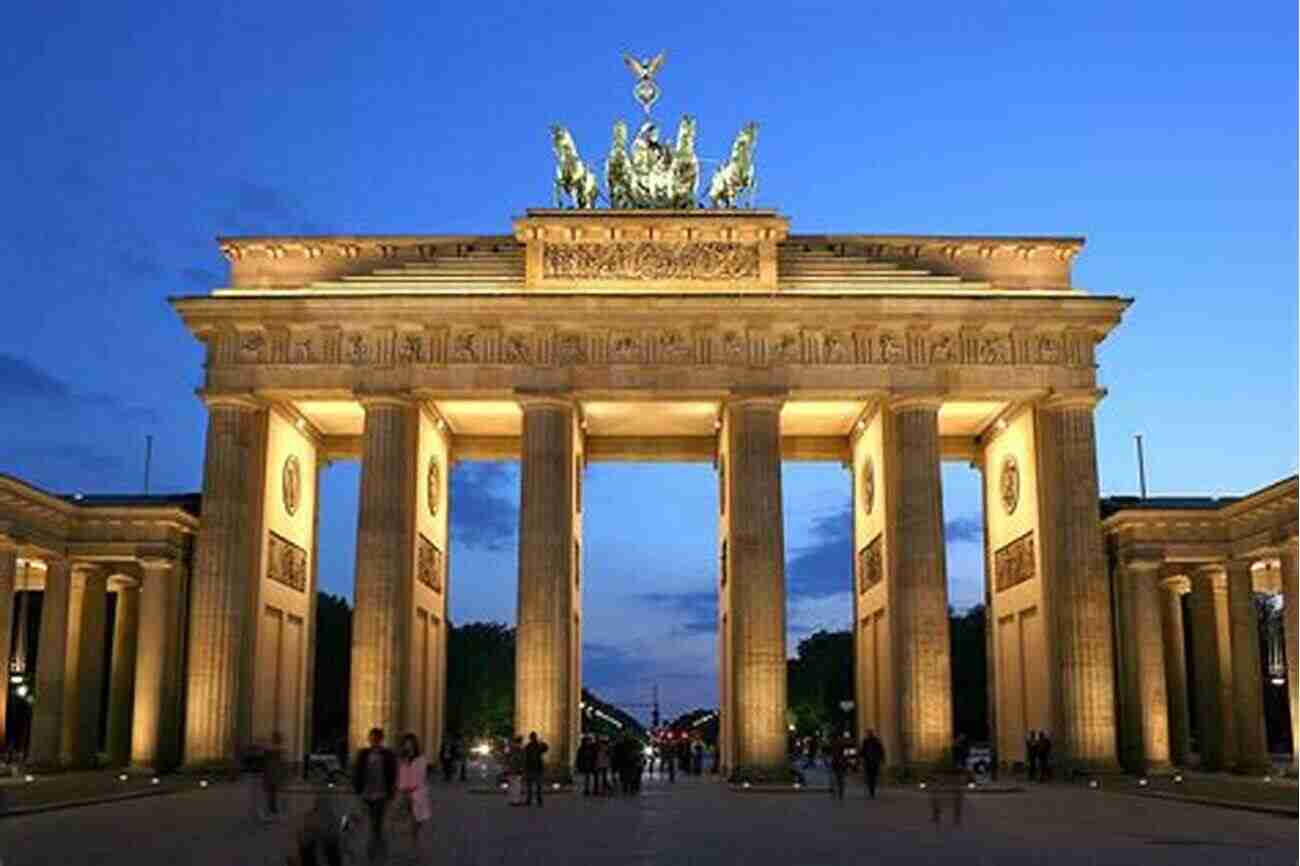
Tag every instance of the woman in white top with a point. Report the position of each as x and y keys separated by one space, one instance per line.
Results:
x=412 y=781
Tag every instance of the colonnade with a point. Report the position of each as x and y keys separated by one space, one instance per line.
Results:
x=142 y=664
x=1155 y=597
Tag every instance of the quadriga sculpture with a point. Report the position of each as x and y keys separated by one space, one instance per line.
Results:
x=735 y=177
x=572 y=176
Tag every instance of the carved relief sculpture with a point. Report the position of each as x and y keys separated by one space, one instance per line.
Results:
x=869 y=565
x=291 y=484
x=434 y=482
x=1009 y=484
x=428 y=564
x=647 y=260
x=1013 y=563
x=286 y=562
x=868 y=486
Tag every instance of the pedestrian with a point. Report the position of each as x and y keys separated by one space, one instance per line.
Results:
x=873 y=756
x=960 y=753
x=1031 y=754
x=447 y=758
x=670 y=761
x=534 y=765
x=374 y=778
x=274 y=772
x=319 y=836
x=412 y=782
x=697 y=757
x=603 y=761
x=1044 y=756
x=462 y=757
x=515 y=771
x=951 y=786
x=839 y=766
x=586 y=765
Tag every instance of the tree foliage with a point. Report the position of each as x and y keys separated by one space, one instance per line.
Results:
x=481 y=679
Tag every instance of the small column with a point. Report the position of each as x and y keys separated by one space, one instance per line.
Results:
x=1290 y=607
x=543 y=648
x=1247 y=690
x=8 y=568
x=224 y=570
x=1205 y=649
x=51 y=666
x=156 y=715
x=1077 y=581
x=385 y=564
x=756 y=550
x=125 y=630
x=1146 y=723
x=84 y=682
x=1172 y=590
x=920 y=585
x=1223 y=627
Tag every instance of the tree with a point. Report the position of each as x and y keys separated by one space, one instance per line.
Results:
x=481 y=679
x=819 y=680
x=329 y=705
x=970 y=703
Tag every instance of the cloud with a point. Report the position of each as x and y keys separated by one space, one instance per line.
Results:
x=964 y=529
x=824 y=567
x=693 y=612
x=259 y=208
x=23 y=384
x=483 y=516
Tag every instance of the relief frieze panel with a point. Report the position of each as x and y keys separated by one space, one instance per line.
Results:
x=1013 y=563
x=724 y=346
x=286 y=562
x=647 y=260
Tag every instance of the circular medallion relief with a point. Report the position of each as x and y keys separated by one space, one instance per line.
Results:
x=291 y=483
x=435 y=486
x=1010 y=484
x=868 y=485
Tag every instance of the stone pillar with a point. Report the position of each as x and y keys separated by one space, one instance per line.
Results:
x=224 y=573
x=156 y=714
x=8 y=569
x=1290 y=607
x=543 y=646
x=1171 y=620
x=1205 y=654
x=385 y=564
x=88 y=613
x=1223 y=628
x=1076 y=584
x=756 y=550
x=919 y=590
x=1247 y=688
x=120 y=698
x=45 y=749
x=1146 y=722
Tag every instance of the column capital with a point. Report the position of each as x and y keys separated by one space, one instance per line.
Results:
x=1081 y=399
x=1179 y=584
x=380 y=399
x=913 y=402
x=229 y=399
x=557 y=400
x=1143 y=562
x=769 y=398
x=90 y=568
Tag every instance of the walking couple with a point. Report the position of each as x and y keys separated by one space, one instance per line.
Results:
x=379 y=777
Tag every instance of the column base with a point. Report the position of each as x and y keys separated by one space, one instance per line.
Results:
x=1252 y=768
x=764 y=775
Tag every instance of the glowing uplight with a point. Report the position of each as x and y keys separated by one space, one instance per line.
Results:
x=121 y=777
x=29 y=778
x=1094 y=784
x=153 y=781
x=203 y=783
x=555 y=786
x=922 y=786
x=1142 y=783
x=483 y=749
x=1178 y=778
x=970 y=785
x=744 y=784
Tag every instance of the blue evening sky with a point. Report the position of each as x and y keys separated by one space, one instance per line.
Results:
x=136 y=132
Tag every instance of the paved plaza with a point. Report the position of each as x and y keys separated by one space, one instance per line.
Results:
x=693 y=822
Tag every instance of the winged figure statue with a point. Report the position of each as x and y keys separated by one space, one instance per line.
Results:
x=646 y=90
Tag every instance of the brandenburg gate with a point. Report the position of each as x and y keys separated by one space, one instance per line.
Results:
x=655 y=329
x=635 y=334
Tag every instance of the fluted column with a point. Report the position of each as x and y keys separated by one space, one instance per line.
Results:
x=385 y=563
x=1077 y=583
x=1210 y=721
x=126 y=622
x=543 y=645
x=225 y=569
x=87 y=619
x=1171 y=620
x=919 y=592
x=51 y=666
x=756 y=551
x=156 y=714
x=1290 y=607
x=8 y=569
x=1247 y=689
x=1146 y=722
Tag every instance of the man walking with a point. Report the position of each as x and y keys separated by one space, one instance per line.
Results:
x=839 y=766
x=374 y=778
x=534 y=765
x=873 y=756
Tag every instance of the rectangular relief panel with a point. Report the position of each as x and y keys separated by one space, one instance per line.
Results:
x=1014 y=563
x=429 y=564
x=286 y=562
x=870 y=570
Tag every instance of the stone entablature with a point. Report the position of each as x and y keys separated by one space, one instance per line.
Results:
x=647 y=252
x=96 y=528
x=1202 y=530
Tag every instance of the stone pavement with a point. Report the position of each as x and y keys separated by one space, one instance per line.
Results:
x=695 y=822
